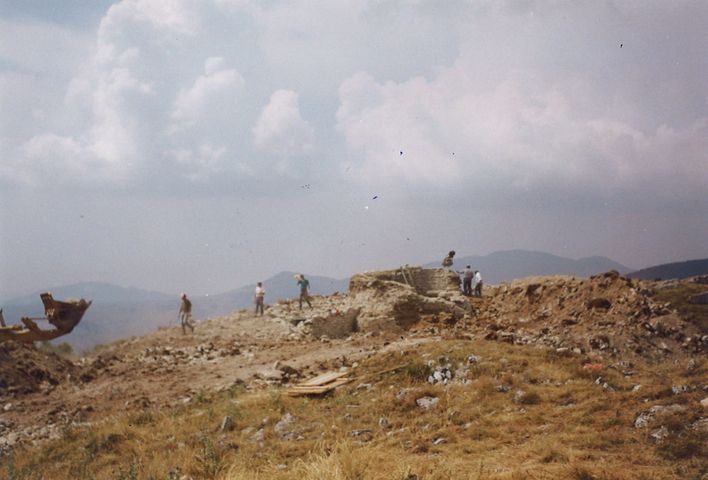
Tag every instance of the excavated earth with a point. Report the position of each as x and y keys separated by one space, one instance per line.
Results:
x=605 y=314
x=603 y=317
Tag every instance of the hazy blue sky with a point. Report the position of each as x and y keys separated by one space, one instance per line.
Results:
x=202 y=145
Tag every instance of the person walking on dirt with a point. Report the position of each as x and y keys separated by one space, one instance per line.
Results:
x=447 y=261
x=259 y=297
x=467 y=276
x=185 y=314
x=477 y=283
x=304 y=285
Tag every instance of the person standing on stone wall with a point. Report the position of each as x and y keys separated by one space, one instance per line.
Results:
x=477 y=283
x=259 y=297
x=467 y=276
x=447 y=261
x=185 y=314
x=304 y=285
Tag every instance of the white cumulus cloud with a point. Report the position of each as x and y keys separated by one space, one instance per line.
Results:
x=280 y=127
x=524 y=129
x=215 y=90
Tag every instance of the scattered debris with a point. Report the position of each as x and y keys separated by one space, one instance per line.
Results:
x=643 y=419
x=592 y=366
x=227 y=424
x=319 y=385
x=426 y=403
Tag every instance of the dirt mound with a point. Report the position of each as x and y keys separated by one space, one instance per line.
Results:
x=606 y=313
x=25 y=369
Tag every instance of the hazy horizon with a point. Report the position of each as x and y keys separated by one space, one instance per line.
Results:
x=458 y=260
x=199 y=145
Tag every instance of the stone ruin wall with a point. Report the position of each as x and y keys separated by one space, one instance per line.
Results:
x=429 y=282
x=396 y=299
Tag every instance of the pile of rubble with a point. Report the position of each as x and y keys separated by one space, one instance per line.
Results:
x=25 y=369
x=606 y=313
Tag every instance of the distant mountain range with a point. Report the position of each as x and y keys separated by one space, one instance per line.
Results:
x=690 y=268
x=119 y=312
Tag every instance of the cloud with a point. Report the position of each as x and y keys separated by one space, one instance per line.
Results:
x=220 y=91
x=280 y=127
x=63 y=161
x=505 y=118
x=215 y=90
x=518 y=134
x=122 y=105
x=171 y=16
x=201 y=163
x=39 y=47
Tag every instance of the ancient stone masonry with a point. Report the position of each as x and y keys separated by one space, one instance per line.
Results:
x=336 y=324
x=388 y=300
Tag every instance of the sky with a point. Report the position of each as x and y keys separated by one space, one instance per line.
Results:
x=202 y=145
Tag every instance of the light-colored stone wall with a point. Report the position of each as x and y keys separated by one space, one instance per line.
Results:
x=425 y=281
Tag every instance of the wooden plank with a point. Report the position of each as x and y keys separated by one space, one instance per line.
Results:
x=336 y=383
x=302 y=390
x=324 y=378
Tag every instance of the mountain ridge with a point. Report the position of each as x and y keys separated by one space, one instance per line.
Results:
x=674 y=270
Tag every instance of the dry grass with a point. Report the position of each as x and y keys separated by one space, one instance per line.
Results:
x=678 y=298
x=570 y=428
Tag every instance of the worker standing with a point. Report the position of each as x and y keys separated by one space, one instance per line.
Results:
x=259 y=297
x=467 y=276
x=185 y=314
x=304 y=285
x=477 y=283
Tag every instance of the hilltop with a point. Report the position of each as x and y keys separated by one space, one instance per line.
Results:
x=558 y=377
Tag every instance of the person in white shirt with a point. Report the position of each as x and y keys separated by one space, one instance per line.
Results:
x=258 y=297
x=477 y=283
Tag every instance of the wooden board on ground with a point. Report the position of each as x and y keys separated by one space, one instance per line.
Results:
x=324 y=378
x=319 y=385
